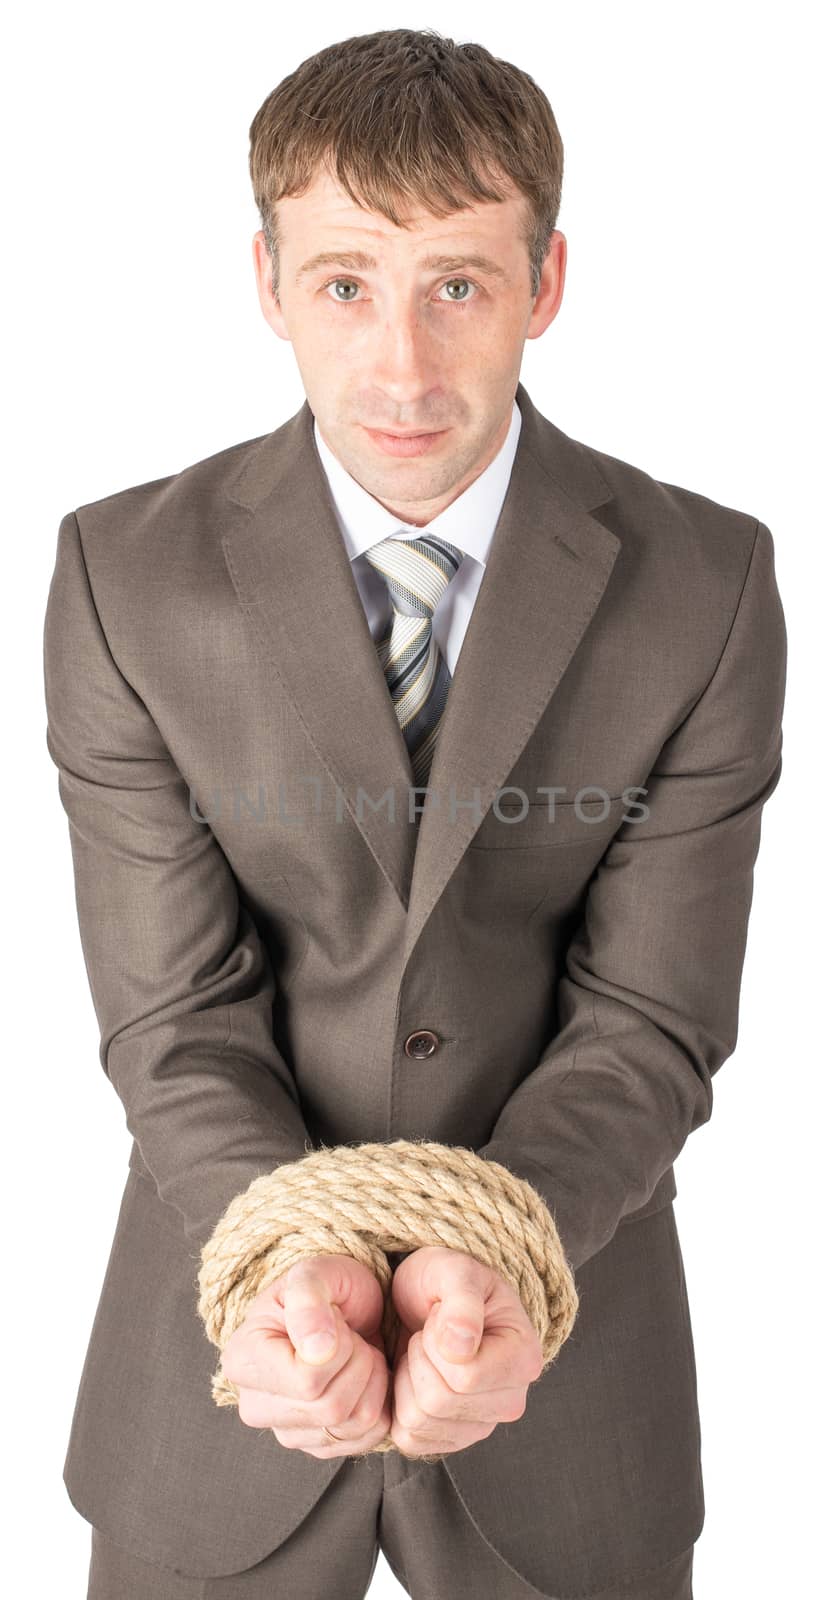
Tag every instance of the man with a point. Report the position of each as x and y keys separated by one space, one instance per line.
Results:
x=294 y=939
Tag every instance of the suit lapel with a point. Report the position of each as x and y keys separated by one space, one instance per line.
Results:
x=289 y=566
x=549 y=564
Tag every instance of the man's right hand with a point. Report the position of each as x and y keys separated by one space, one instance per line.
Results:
x=296 y=1388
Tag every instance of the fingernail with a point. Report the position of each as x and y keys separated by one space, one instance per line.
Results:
x=318 y=1345
x=454 y=1337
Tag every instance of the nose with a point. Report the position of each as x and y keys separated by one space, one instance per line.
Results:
x=405 y=365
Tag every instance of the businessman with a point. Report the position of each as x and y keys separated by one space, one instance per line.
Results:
x=414 y=755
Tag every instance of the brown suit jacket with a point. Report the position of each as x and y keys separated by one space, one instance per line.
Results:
x=265 y=926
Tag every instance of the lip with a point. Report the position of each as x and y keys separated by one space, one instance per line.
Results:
x=404 y=444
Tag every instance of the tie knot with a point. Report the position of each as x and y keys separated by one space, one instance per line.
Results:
x=416 y=571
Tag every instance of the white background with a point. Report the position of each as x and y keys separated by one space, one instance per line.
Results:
x=692 y=341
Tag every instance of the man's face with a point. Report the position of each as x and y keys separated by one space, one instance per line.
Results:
x=406 y=345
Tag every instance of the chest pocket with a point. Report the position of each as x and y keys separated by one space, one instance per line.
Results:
x=581 y=824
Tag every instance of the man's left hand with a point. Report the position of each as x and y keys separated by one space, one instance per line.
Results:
x=447 y=1392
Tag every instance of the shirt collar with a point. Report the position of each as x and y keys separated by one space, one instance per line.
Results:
x=469 y=521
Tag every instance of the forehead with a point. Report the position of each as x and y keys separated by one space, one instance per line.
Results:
x=327 y=217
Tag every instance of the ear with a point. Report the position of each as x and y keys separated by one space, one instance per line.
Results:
x=552 y=282
x=263 y=271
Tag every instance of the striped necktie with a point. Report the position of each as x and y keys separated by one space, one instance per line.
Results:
x=417 y=572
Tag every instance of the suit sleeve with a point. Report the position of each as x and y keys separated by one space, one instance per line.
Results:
x=180 y=981
x=648 y=1002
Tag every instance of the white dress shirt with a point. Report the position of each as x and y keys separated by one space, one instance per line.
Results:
x=468 y=522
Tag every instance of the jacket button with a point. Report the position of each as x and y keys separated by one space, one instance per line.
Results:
x=422 y=1043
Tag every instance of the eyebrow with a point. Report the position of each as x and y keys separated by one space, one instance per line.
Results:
x=359 y=261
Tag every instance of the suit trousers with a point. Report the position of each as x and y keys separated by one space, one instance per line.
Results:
x=407 y=1508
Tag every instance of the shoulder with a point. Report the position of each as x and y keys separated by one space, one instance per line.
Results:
x=187 y=494
x=151 y=558
x=682 y=554
x=683 y=557
x=684 y=530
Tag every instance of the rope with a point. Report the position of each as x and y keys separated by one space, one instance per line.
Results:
x=364 y=1201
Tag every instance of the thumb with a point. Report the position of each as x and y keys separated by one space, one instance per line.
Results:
x=310 y=1317
x=457 y=1325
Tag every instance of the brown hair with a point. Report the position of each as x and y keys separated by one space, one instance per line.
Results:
x=407 y=114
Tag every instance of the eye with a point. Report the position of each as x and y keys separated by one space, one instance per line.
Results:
x=334 y=281
x=450 y=283
x=453 y=283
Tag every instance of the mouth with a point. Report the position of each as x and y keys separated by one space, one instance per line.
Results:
x=404 y=444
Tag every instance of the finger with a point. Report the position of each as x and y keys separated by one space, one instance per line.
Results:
x=401 y=1341
x=505 y=1359
x=458 y=1322
x=438 y=1399
x=315 y=1443
x=376 y=1338
x=309 y=1314
x=414 y=1432
x=265 y=1358
x=342 y=1282
x=353 y=1422
x=478 y=1371
x=351 y=1402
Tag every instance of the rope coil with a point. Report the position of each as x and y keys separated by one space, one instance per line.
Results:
x=368 y=1199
